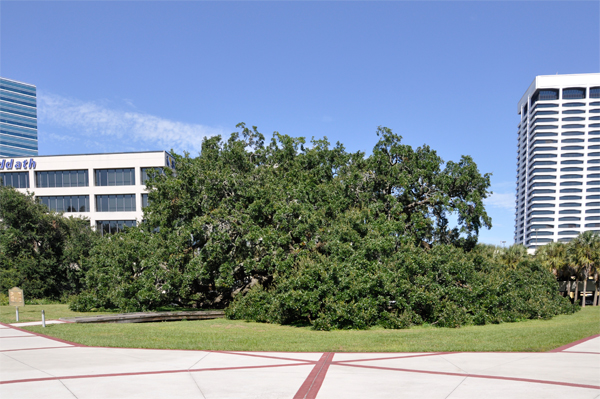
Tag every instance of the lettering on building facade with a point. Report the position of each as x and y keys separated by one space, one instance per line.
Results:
x=9 y=164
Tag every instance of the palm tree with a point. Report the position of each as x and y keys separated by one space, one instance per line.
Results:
x=553 y=257
x=513 y=255
x=584 y=251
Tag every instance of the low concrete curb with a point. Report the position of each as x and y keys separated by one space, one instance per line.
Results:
x=148 y=317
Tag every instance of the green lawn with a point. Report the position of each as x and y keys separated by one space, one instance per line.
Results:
x=221 y=334
x=34 y=313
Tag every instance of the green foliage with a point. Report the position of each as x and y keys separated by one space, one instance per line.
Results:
x=313 y=235
x=41 y=252
x=445 y=287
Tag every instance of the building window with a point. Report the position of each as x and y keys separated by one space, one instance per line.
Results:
x=594 y=92
x=543 y=156
x=540 y=220
x=543 y=127
x=571 y=169
x=570 y=190
x=569 y=205
x=62 y=178
x=575 y=133
x=115 y=177
x=115 y=203
x=545 y=113
x=542 y=120
x=146 y=171
x=570 y=197
x=574 y=111
x=573 y=94
x=571 y=155
x=545 y=198
x=543 y=170
x=544 y=95
x=113 y=226
x=144 y=200
x=15 y=179
x=574 y=105
x=569 y=211
x=542 y=163
x=572 y=147
x=568 y=233
x=571 y=162
x=573 y=118
x=542 y=191
x=541 y=226
x=70 y=203
x=542 y=184
x=542 y=206
x=543 y=177
x=543 y=149
x=543 y=134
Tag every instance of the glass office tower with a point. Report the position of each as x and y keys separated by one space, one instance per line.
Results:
x=18 y=119
x=558 y=159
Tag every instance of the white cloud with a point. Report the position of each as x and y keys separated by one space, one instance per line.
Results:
x=501 y=200
x=94 y=120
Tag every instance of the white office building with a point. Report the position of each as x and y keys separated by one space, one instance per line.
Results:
x=108 y=189
x=558 y=159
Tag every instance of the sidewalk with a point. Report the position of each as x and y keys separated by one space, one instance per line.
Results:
x=36 y=366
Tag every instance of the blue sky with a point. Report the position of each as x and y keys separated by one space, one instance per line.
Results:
x=131 y=76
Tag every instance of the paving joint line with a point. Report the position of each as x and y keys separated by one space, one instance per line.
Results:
x=198 y=361
x=482 y=376
x=391 y=358
x=456 y=387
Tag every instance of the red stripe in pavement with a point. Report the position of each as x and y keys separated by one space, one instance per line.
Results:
x=393 y=357
x=43 y=336
x=73 y=377
x=313 y=382
x=562 y=348
x=489 y=377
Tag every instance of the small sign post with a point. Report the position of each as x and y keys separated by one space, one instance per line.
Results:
x=16 y=299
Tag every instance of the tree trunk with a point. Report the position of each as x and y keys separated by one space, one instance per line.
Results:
x=576 y=297
x=595 y=293
x=584 y=292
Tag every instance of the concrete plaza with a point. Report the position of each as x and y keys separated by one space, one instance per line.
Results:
x=36 y=366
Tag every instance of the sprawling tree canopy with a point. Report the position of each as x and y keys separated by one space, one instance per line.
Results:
x=314 y=233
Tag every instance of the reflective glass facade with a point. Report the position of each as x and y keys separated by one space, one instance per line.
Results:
x=67 y=203
x=113 y=226
x=18 y=119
